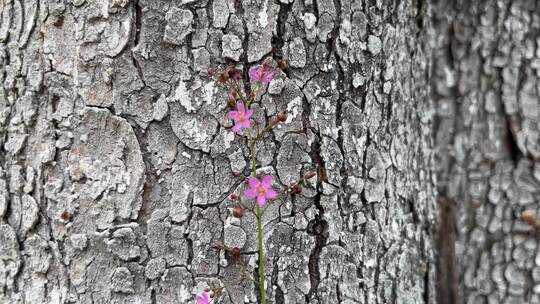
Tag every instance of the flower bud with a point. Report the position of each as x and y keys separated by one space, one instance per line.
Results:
x=231 y=104
x=231 y=72
x=223 y=77
x=237 y=77
x=282 y=64
x=296 y=189
x=309 y=175
x=274 y=121
x=236 y=174
x=238 y=211
x=528 y=217
x=216 y=247
x=210 y=72
x=282 y=117
x=234 y=196
x=206 y=289
x=235 y=252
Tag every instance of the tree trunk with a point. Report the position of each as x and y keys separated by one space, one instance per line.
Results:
x=486 y=64
x=117 y=158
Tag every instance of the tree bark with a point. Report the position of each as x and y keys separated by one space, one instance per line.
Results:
x=117 y=158
x=485 y=87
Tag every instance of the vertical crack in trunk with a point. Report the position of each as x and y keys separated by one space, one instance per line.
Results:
x=317 y=227
x=137 y=37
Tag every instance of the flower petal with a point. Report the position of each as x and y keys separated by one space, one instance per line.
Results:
x=234 y=115
x=245 y=124
x=240 y=107
x=202 y=298
x=248 y=114
x=254 y=74
x=250 y=193
x=236 y=128
x=267 y=77
x=254 y=182
x=261 y=200
x=267 y=181
x=270 y=193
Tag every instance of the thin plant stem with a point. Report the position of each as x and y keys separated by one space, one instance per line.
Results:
x=259 y=223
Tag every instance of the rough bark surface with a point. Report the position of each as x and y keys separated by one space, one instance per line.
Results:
x=117 y=161
x=486 y=89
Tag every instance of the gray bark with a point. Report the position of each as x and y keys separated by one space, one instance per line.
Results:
x=485 y=87
x=117 y=160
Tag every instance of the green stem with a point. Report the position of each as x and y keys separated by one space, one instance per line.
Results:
x=259 y=224
x=261 y=256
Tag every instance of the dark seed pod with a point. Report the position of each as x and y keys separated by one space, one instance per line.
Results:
x=235 y=252
x=282 y=64
x=309 y=175
x=282 y=117
x=296 y=189
x=238 y=211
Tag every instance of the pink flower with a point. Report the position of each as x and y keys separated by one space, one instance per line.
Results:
x=203 y=298
x=261 y=190
x=260 y=74
x=241 y=117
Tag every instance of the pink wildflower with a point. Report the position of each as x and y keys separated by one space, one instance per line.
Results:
x=241 y=117
x=203 y=298
x=260 y=74
x=261 y=190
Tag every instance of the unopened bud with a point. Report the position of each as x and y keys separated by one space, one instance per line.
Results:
x=282 y=117
x=237 y=77
x=232 y=72
x=223 y=77
x=246 y=181
x=235 y=251
x=274 y=121
x=309 y=175
x=296 y=189
x=236 y=174
x=282 y=64
x=231 y=103
x=210 y=72
x=216 y=247
x=238 y=211
x=234 y=196
x=206 y=289
x=528 y=217
x=234 y=93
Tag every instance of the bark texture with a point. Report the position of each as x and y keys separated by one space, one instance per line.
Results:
x=486 y=89
x=117 y=160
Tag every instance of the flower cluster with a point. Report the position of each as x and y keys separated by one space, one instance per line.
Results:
x=259 y=188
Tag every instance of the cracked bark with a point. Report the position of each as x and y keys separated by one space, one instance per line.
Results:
x=116 y=158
